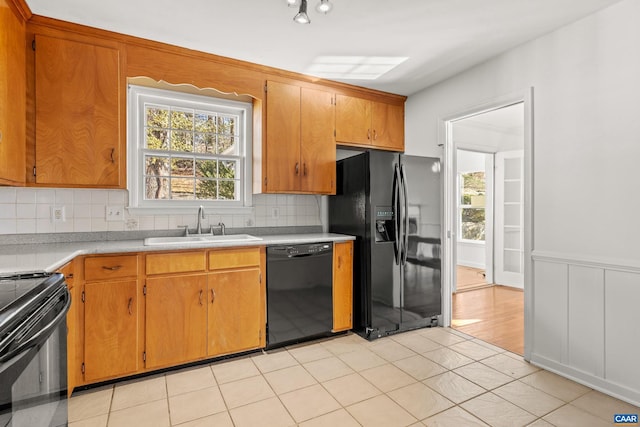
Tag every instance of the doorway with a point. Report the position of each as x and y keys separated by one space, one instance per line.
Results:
x=486 y=259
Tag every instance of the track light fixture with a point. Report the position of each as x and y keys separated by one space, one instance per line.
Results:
x=324 y=7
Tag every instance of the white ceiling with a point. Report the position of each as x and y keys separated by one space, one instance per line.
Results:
x=440 y=37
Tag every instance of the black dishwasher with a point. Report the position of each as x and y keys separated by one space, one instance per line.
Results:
x=299 y=293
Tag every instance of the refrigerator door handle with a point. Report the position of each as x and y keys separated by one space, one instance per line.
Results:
x=396 y=215
x=405 y=216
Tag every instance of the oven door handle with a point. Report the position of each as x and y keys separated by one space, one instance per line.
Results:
x=38 y=336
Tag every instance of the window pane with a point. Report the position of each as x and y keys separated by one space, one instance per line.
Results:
x=157 y=116
x=157 y=139
x=227 y=145
x=182 y=119
x=227 y=190
x=182 y=141
x=206 y=168
x=206 y=189
x=156 y=166
x=156 y=188
x=227 y=125
x=205 y=143
x=472 y=221
x=182 y=188
x=182 y=167
x=205 y=122
x=228 y=169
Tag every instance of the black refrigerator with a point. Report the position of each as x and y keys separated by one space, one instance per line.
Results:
x=392 y=204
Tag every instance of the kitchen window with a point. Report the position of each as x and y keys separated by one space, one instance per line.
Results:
x=187 y=150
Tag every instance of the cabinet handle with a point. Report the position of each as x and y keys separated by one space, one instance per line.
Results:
x=339 y=262
x=130 y=306
x=200 y=297
x=375 y=134
x=213 y=295
x=368 y=133
x=113 y=151
x=114 y=268
x=297 y=168
x=304 y=169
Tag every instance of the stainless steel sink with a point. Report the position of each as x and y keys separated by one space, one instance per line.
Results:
x=202 y=238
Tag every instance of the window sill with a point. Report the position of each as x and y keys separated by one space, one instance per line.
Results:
x=472 y=242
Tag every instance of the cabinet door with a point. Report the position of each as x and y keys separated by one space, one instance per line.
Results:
x=282 y=155
x=235 y=304
x=388 y=126
x=342 y=286
x=12 y=97
x=353 y=120
x=111 y=329
x=77 y=112
x=318 y=145
x=176 y=320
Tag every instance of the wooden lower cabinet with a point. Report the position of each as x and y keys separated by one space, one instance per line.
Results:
x=235 y=304
x=111 y=329
x=342 y=286
x=176 y=320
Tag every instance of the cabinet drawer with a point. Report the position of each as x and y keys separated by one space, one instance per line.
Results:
x=108 y=267
x=232 y=258
x=176 y=262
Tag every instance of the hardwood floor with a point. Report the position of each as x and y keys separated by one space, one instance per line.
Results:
x=494 y=314
x=468 y=278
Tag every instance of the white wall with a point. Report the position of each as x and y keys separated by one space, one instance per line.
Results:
x=585 y=209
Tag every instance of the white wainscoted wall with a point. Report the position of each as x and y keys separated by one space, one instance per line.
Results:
x=587 y=321
x=584 y=299
x=28 y=210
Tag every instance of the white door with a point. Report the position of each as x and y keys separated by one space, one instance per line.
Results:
x=509 y=217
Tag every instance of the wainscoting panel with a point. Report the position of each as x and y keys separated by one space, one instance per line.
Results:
x=622 y=328
x=586 y=321
x=586 y=311
x=550 y=310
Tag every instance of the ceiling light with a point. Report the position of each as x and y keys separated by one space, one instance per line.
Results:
x=353 y=67
x=302 y=17
x=324 y=7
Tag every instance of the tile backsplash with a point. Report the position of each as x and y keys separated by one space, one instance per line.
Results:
x=30 y=210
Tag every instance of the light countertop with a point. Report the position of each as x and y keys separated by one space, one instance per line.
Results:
x=51 y=256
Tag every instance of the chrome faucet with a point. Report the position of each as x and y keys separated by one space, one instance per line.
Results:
x=200 y=216
x=221 y=226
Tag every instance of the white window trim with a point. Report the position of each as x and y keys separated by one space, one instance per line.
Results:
x=137 y=96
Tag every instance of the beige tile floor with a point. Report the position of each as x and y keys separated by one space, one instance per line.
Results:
x=428 y=377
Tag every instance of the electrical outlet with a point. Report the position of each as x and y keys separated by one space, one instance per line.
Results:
x=131 y=224
x=58 y=214
x=115 y=213
x=275 y=213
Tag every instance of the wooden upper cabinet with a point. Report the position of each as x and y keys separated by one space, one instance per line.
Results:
x=283 y=137
x=353 y=120
x=362 y=122
x=388 y=126
x=300 y=145
x=77 y=100
x=12 y=96
x=317 y=145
